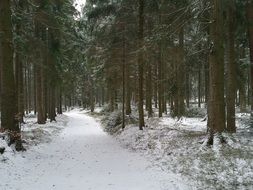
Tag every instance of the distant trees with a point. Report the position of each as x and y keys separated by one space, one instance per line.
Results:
x=187 y=52
x=249 y=13
x=35 y=42
x=9 y=111
x=152 y=57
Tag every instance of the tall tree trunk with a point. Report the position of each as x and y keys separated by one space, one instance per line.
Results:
x=52 y=105
x=128 y=90
x=155 y=92
x=39 y=97
x=123 y=77
x=149 y=90
x=216 y=110
x=206 y=66
x=187 y=89
x=140 y=63
x=250 y=32
x=41 y=119
x=9 y=117
x=242 y=99
x=29 y=88
x=231 y=70
x=19 y=69
x=199 y=85
x=35 y=87
x=92 y=98
x=180 y=76
x=159 y=82
x=59 y=106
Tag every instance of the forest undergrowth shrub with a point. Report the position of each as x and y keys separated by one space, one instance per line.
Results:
x=112 y=121
x=195 y=112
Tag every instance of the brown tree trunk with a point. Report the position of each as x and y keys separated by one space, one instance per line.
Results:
x=39 y=97
x=35 y=87
x=29 y=88
x=9 y=117
x=159 y=82
x=250 y=32
x=199 y=86
x=149 y=90
x=155 y=92
x=52 y=105
x=19 y=69
x=140 y=63
x=180 y=106
x=231 y=70
x=123 y=77
x=216 y=110
x=128 y=90
x=59 y=97
x=187 y=89
x=242 y=99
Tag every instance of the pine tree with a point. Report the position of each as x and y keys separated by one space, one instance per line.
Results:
x=9 y=116
x=216 y=105
x=140 y=64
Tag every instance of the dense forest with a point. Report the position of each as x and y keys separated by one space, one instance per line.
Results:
x=170 y=78
x=149 y=55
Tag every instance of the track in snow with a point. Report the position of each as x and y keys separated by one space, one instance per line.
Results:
x=83 y=157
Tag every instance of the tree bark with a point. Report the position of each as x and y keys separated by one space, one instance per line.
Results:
x=231 y=70
x=19 y=69
x=9 y=117
x=180 y=68
x=250 y=33
x=159 y=82
x=140 y=63
x=216 y=110
x=128 y=90
x=41 y=119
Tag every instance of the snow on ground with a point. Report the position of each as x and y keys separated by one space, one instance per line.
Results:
x=81 y=157
x=175 y=145
x=34 y=134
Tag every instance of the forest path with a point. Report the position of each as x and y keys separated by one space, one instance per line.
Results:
x=83 y=157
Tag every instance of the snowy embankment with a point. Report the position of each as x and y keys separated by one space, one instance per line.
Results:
x=80 y=157
x=176 y=146
x=33 y=134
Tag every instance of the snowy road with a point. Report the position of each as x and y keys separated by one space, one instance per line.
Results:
x=83 y=157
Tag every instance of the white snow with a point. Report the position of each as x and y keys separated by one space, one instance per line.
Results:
x=83 y=157
x=176 y=145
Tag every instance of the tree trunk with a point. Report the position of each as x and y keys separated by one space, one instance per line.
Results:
x=216 y=110
x=180 y=106
x=123 y=77
x=9 y=117
x=140 y=63
x=250 y=32
x=128 y=90
x=231 y=70
x=149 y=90
x=159 y=82
x=242 y=99
x=39 y=97
x=199 y=86
x=187 y=89
x=59 y=106
x=19 y=69
x=35 y=88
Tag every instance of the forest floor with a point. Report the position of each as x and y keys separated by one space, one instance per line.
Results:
x=177 y=146
x=74 y=153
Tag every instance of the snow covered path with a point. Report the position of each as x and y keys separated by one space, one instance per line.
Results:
x=83 y=157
